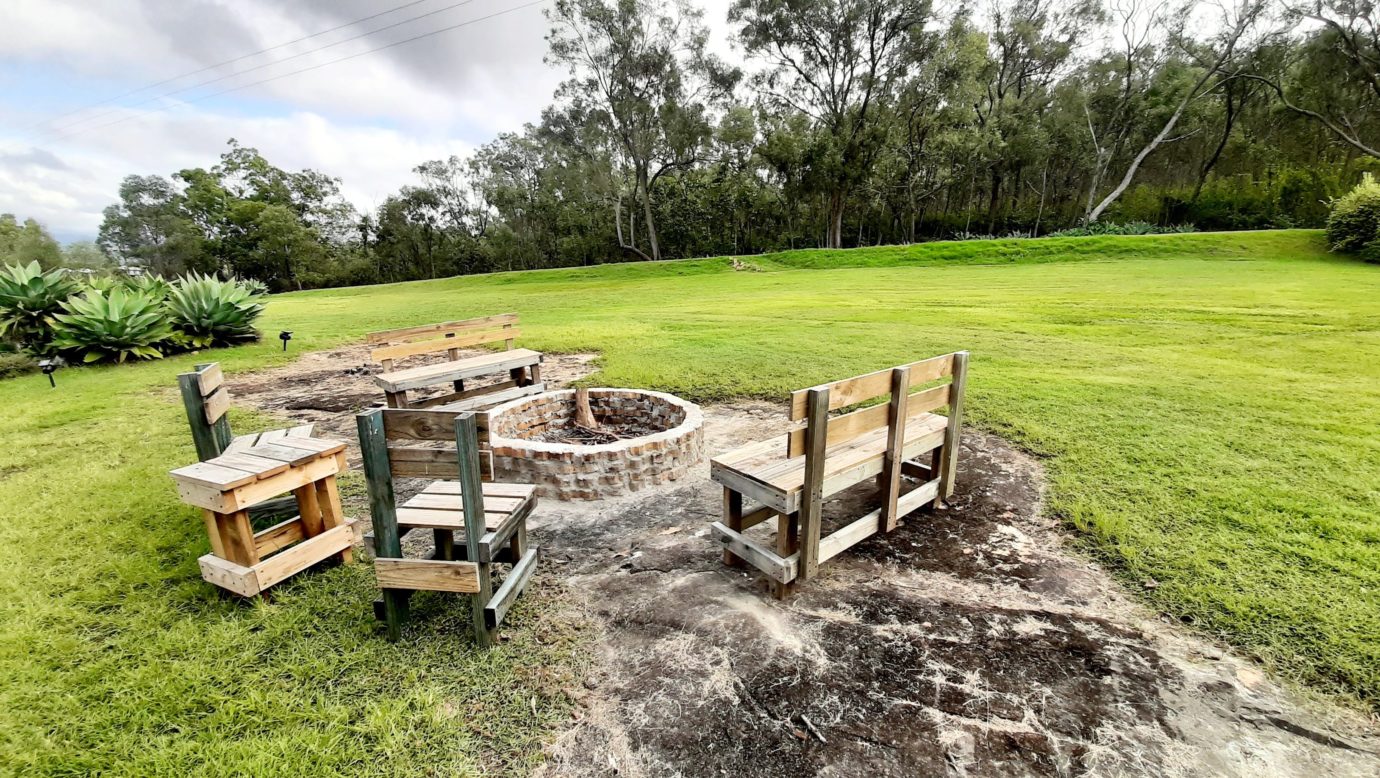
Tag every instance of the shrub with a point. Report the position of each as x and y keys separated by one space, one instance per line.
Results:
x=115 y=325
x=207 y=311
x=1127 y=228
x=1353 y=225
x=14 y=364
x=28 y=297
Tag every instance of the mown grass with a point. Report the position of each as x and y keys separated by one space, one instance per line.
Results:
x=1210 y=407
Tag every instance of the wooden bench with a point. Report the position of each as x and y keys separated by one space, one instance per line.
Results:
x=387 y=441
x=789 y=478
x=226 y=487
x=523 y=366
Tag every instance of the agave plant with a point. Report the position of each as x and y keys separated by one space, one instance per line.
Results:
x=207 y=311
x=153 y=286
x=115 y=325
x=28 y=296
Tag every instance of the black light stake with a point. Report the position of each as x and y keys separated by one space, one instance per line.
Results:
x=285 y=336
x=50 y=366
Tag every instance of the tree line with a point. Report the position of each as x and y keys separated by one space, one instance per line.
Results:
x=848 y=123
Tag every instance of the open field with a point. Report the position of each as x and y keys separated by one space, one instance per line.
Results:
x=1209 y=406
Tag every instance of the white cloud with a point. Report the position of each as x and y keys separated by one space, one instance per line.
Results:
x=367 y=121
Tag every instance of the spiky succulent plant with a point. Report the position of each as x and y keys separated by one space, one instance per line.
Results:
x=207 y=311
x=115 y=325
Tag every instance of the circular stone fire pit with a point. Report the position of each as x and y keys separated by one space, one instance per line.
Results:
x=645 y=438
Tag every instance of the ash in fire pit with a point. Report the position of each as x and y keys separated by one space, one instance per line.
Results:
x=628 y=440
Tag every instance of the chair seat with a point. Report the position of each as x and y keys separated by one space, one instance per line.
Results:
x=764 y=472
x=439 y=505
x=242 y=442
x=440 y=372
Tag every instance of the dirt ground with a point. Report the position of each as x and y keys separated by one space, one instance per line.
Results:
x=972 y=641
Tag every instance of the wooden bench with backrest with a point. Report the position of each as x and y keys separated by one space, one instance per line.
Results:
x=399 y=443
x=789 y=478
x=523 y=366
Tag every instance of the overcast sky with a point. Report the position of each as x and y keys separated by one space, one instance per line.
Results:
x=368 y=120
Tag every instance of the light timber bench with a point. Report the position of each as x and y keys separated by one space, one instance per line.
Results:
x=226 y=487
x=789 y=478
x=444 y=507
x=523 y=366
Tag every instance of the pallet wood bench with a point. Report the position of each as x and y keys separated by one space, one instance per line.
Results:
x=445 y=507
x=523 y=366
x=788 y=479
x=226 y=487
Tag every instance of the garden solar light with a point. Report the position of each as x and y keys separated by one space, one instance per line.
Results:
x=50 y=366
x=285 y=336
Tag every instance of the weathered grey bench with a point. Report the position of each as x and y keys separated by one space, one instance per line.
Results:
x=789 y=479
x=523 y=366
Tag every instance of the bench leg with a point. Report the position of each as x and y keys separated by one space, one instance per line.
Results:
x=309 y=508
x=787 y=541
x=396 y=399
x=328 y=500
x=534 y=374
x=733 y=519
x=445 y=544
x=517 y=544
x=237 y=538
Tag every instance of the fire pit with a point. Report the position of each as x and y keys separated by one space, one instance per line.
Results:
x=638 y=439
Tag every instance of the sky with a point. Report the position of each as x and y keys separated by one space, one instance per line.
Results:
x=72 y=124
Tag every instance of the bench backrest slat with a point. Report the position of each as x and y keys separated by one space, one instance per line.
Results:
x=853 y=425
x=206 y=401
x=851 y=391
x=403 y=427
x=447 y=336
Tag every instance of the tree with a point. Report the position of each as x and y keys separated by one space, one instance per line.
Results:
x=1333 y=76
x=149 y=229
x=640 y=68
x=1218 y=50
x=838 y=62
x=28 y=242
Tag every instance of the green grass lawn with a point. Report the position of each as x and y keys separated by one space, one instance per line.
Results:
x=1209 y=405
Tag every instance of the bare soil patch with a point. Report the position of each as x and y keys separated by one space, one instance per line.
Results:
x=970 y=642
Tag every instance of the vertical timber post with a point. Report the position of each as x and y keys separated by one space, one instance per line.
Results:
x=895 y=446
x=812 y=492
x=472 y=501
x=383 y=508
x=948 y=465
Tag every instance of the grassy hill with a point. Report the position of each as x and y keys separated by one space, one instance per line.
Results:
x=1209 y=405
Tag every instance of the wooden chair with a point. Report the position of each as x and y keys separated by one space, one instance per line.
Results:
x=207 y=402
x=443 y=507
x=789 y=479
x=523 y=366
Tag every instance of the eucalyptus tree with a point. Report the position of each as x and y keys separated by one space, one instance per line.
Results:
x=1332 y=75
x=643 y=68
x=1212 y=54
x=839 y=62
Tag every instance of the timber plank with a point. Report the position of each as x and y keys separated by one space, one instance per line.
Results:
x=432 y=575
x=433 y=345
x=423 y=330
x=210 y=378
x=440 y=372
x=743 y=547
x=503 y=599
x=217 y=403
x=851 y=391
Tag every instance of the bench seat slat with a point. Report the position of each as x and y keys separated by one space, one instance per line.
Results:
x=458 y=370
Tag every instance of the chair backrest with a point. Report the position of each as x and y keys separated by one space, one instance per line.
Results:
x=206 y=400
x=382 y=463
x=403 y=429
x=449 y=337
x=813 y=404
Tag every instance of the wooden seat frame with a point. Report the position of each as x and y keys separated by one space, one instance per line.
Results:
x=464 y=569
x=789 y=479
x=522 y=365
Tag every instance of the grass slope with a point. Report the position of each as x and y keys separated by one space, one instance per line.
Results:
x=1210 y=405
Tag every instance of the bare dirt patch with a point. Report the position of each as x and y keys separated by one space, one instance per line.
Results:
x=972 y=641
